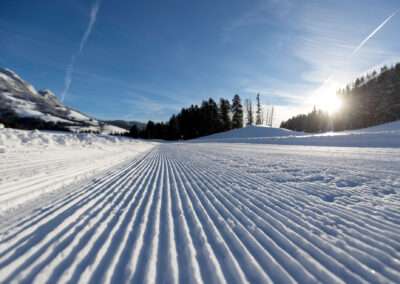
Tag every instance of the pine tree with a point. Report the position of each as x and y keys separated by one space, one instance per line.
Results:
x=259 y=118
x=323 y=120
x=385 y=109
x=134 y=132
x=237 y=112
x=224 y=114
x=150 y=129
x=312 y=121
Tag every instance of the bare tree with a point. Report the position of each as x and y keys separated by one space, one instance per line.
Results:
x=259 y=116
x=270 y=118
x=249 y=111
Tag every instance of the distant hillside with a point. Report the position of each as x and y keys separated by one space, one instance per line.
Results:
x=126 y=124
x=21 y=106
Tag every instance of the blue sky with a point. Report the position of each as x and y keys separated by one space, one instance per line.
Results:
x=140 y=60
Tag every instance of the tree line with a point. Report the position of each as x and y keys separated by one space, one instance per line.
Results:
x=196 y=121
x=208 y=118
x=371 y=100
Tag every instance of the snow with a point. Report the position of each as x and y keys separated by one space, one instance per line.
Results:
x=107 y=129
x=29 y=113
x=84 y=208
x=55 y=119
x=57 y=158
x=114 y=129
x=74 y=115
x=386 y=135
x=25 y=108
x=391 y=126
x=253 y=132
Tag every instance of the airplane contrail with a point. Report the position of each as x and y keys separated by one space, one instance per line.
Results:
x=359 y=46
x=372 y=34
x=93 y=15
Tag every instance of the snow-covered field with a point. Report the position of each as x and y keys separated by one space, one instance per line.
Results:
x=98 y=209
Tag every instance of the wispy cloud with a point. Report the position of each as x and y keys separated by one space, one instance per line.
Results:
x=372 y=34
x=93 y=15
x=260 y=13
x=146 y=108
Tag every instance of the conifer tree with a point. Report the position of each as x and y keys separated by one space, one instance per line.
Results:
x=312 y=121
x=237 y=112
x=224 y=114
x=150 y=130
x=134 y=132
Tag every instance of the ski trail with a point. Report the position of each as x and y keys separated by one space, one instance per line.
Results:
x=202 y=213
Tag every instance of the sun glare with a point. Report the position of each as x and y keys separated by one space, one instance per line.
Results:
x=329 y=102
x=327 y=99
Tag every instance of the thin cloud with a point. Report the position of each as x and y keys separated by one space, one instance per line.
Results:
x=93 y=15
x=372 y=34
x=256 y=15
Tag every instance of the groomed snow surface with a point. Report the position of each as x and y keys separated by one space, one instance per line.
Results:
x=79 y=208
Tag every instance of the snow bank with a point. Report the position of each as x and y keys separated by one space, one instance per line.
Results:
x=14 y=138
x=34 y=163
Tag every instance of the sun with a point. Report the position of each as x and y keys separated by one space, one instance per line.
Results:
x=327 y=100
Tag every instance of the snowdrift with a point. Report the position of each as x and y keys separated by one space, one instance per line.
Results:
x=385 y=135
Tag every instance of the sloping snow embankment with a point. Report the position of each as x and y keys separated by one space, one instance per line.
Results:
x=381 y=136
x=36 y=162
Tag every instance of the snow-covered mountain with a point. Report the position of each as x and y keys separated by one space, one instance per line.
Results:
x=19 y=99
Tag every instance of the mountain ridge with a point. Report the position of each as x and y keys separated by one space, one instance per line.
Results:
x=21 y=104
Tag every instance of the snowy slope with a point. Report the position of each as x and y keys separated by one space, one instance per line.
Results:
x=391 y=127
x=385 y=135
x=195 y=212
x=19 y=98
x=253 y=132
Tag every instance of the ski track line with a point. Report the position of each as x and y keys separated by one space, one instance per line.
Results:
x=210 y=268
x=187 y=258
x=190 y=213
